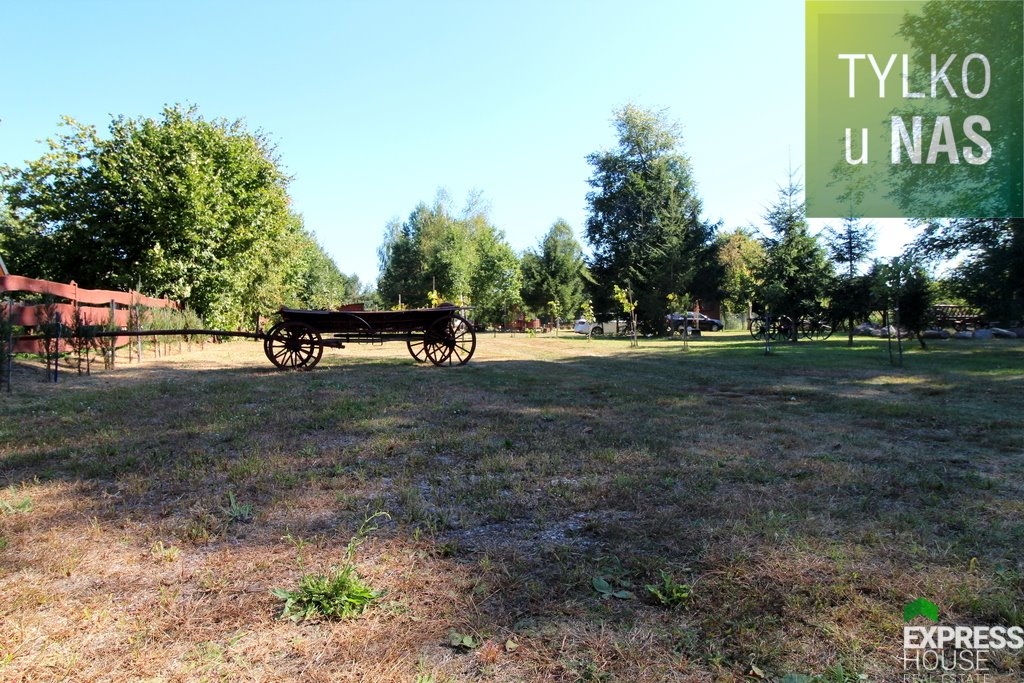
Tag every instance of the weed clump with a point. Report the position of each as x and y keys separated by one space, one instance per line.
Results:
x=668 y=593
x=339 y=594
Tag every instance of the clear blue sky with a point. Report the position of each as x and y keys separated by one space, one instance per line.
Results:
x=374 y=106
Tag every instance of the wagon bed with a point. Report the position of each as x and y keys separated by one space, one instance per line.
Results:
x=440 y=335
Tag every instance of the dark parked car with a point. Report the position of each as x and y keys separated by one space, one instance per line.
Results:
x=699 y=321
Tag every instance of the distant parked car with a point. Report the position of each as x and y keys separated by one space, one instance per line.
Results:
x=614 y=326
x=696 y=321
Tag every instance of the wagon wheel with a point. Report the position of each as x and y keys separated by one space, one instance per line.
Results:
x=417 y=348
x=293 y=345
x=450 y=340
x=778 y=330
x=758 y=328
x=815 y=330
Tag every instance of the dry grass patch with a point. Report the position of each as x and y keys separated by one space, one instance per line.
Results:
x=146 y=514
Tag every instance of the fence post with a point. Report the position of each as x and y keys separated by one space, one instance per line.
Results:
x=113 y=328
x=138 y=329
x=56 y=351
x=8 y=360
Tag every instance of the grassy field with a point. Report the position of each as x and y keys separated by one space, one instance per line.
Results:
x=788 y=506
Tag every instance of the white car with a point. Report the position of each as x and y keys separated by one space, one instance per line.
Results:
x=614 y=326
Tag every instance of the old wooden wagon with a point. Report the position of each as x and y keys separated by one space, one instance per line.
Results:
x=440 y=335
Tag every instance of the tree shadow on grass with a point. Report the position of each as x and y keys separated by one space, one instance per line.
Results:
x=790 y=493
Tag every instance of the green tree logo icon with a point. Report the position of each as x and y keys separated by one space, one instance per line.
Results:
x=921 y=608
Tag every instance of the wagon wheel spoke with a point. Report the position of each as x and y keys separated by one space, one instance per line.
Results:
x=293 y=345
x=417 y=348
x=462 y=338
x=435 y=344
x=437 y=351
x=450 y=340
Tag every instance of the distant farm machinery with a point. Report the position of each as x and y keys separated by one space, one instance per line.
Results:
x=823 y=325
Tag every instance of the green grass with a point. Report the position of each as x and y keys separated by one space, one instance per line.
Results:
x=786 y=506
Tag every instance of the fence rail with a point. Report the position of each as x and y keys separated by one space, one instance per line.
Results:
x=87 y=307
x=72 y=292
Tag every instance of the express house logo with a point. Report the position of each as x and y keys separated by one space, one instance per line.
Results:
x=933 y=651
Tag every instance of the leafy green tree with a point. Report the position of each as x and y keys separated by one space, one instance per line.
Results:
x=554 y=314
x=848 y=247
x=739 y=254
x=904 y=287
x=587 y=311
x=990 y=272
x=916 y=300
x=625 y=299
x=995 y=187
x=192 y=209
x=458 y=259
x=556 y=271
x=8 y=236
x=644 y=220
x=402 y=278
x=48 y=201
x=496 y=281
x=681 y=303
x=851 y=300
x=989 y=252
x=795 y=274
x=319 y=283
x=432 y=250
x=449 y=255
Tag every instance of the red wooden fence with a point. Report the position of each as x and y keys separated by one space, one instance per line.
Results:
x=94 y=307
x=102 y=297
